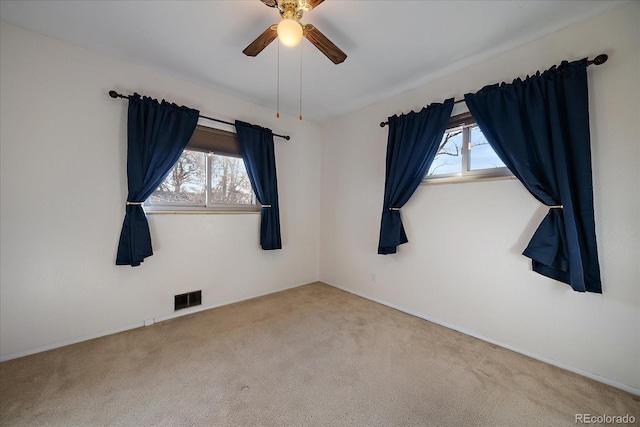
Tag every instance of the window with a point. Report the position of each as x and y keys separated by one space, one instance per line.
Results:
x=464 y=154
x=209 y=177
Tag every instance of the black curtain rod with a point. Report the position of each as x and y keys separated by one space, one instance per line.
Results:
x=598 y=60
x=114 y=94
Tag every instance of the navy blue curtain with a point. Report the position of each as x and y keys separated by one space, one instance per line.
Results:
x=256 y=148
x=412 y=145
x=157 y=134
x=540 y=129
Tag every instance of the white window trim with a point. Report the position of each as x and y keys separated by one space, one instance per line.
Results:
x=468 y=175
x=206 y=208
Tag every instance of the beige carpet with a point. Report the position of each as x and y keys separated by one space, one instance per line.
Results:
x=310 y=356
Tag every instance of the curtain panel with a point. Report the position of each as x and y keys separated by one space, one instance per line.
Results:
x=257 y=150
x=411 y=147
x=157 y=134
x=539 y=127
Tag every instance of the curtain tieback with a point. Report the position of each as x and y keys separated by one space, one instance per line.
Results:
x=134 y=203
x=394 y=209
x=265 y=206
x=556 y=207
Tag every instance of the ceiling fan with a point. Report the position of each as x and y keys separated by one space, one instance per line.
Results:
x=290 y=30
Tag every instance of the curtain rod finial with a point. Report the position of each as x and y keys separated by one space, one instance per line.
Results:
x=113 y=94
x=600 y=59
x=382 y=124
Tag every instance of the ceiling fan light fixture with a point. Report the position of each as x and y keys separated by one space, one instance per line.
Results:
x=289 y=32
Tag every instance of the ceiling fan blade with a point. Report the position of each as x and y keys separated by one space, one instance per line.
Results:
x=270 y=3
x=314 y=3
x=261 y=41
x=323 y=44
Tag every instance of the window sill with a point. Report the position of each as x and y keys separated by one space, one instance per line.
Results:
x=153 y=210
x=465 y=179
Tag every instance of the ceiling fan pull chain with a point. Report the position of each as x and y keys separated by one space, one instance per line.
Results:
x=278 y=85
x=300 y=116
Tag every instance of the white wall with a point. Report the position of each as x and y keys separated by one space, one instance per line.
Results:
x=462 y=266
x=63 y=186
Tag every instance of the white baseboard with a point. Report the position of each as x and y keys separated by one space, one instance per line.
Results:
x=134 y=326
x=140 y=324
x=607 y=381
x=67 y=342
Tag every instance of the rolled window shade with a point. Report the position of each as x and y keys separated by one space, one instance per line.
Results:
x=212 y=140
x=464 y=119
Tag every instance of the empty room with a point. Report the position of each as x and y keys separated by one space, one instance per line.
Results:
x=319 y=213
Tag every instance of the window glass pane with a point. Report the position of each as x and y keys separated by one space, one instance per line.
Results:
x=481 y=155
x=449 y=155
x=229 y=181
x=186 y=182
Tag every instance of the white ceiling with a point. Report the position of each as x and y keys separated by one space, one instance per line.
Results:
x=392 y=46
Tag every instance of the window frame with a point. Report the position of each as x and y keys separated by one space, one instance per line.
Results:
x=465 y=122
x=210 y=141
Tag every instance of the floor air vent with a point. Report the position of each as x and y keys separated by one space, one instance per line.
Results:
x=187 y=300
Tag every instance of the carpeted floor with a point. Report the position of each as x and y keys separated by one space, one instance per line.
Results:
x=309 y=356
